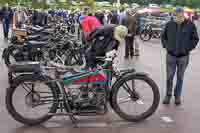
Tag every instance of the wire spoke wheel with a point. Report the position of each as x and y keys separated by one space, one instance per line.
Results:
x=135 y=98
x=29 y=101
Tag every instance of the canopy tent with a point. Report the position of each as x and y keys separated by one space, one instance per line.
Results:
x=154 y=10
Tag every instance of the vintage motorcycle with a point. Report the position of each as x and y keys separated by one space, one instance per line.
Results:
x=74 y=92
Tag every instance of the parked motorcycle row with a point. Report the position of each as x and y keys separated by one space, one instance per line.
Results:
x=45 y=69
x=151 y=27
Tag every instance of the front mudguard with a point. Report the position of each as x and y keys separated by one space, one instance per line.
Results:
x=4 y=52
x=124 y=75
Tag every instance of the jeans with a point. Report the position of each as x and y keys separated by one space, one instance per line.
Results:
x=5 y=28
x=176 y=65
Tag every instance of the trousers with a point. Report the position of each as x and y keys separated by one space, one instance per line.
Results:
x=129 y=46
x=176 y=65
x=5 y=28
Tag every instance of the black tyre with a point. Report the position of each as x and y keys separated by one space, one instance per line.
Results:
x=145 y=113
x=9 y=54
x=145 y=36
x=27 y=120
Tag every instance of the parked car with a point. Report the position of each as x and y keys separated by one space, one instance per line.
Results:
x=154 y=6
x=135 y=5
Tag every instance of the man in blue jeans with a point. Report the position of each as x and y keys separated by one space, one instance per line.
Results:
x=179 y=38
x=6 y=19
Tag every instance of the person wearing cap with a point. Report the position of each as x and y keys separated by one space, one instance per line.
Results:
x=103 y=40
x=179 y=38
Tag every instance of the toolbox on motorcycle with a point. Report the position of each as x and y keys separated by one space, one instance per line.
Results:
x=20 y=32
x=25 y=67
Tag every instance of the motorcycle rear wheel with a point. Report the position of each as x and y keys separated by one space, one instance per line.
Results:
x=18 y=115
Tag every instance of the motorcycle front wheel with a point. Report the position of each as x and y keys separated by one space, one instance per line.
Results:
x=135 y=98
x=9 y=55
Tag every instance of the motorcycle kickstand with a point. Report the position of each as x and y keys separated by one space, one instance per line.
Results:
x=74 y=121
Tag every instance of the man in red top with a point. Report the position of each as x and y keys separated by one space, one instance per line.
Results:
x=88 y=24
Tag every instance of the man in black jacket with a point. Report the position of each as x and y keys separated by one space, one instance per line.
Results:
x=114 y=18
x=179 y=39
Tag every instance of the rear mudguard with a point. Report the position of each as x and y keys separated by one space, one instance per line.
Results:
x=56 y=87
x=120 y=79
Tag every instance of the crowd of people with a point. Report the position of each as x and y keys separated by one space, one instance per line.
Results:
x=17 y=17
x=126 y=18
x=179 y=37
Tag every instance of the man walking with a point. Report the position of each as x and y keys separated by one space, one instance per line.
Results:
x=179 y=39
x=6 y=19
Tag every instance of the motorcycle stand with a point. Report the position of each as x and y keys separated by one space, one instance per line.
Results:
x=71 y=116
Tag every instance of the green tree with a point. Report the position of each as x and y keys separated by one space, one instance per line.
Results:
x=90 y=3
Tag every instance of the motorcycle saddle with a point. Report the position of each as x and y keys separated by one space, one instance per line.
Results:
x=37 y=29
x=32 y=37
x=47 y=31
x=36 y=44
x=25 y=67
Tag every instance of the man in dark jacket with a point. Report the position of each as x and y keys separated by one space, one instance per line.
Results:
x=6 y=19
x=179 y=39
x=114 y=18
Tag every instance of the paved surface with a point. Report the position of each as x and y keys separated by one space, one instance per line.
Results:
x=167 y=119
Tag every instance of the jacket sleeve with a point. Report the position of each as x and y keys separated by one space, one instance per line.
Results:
x=194 y=37
x=164 y=37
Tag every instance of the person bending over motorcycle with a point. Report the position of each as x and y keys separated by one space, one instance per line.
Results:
x=103 y=40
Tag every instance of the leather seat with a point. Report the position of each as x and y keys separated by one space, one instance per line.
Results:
x=26 y=67
x=47 y=31
x=36 y=29
x=36 y=44
x=32 y=37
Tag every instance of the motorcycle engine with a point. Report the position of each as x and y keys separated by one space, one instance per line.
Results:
x=18 y=55
x=87 y=96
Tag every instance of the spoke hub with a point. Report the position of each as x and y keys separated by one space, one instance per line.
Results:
x=32 y=99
